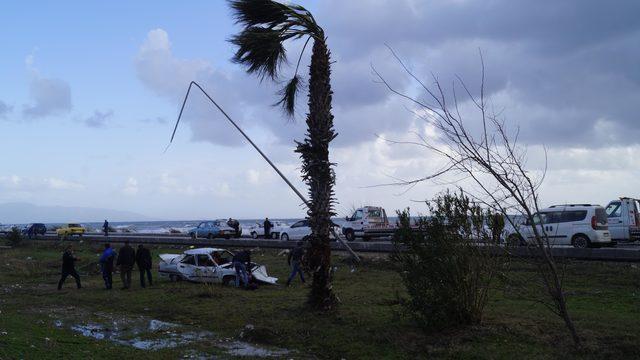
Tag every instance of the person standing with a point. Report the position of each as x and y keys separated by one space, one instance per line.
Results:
x=267 y=228
x=235 y=224
x=126 y=260
x=143 y=259
x=242 y=262
x=105 y=228
x=106 y=263
x=69 y=267
x=294 y=260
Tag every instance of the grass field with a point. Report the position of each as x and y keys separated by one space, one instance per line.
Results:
x=36 y=320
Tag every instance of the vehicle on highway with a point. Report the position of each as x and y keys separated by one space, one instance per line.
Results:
x=367 y=222
x=579 y=225
x=300 y=230
x=70 y=229
x=34 y=229
x=624 y=219
x=257 y=230
x=227 y=229
x=207 y=265
x=207 y=229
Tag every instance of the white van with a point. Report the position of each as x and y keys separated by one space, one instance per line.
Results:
x=624 y=219
x=579 y=225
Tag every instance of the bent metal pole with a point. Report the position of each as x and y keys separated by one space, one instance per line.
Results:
x=184 y=102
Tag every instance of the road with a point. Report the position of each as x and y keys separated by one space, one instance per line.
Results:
x=623 y=252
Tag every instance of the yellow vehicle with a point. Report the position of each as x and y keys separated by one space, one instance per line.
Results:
x=70 y=230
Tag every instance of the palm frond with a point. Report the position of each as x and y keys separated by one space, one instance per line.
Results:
x=288 y=95
x=260 y=50
x=258 y=12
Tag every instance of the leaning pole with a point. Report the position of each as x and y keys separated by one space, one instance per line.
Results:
x=304 y=200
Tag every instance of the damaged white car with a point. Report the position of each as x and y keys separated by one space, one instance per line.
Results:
x=207 y=265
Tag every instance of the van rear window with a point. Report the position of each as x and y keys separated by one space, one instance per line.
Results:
x=570 y=216
x=601 y=216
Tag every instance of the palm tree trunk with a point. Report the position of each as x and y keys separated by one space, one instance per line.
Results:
x=319 y=176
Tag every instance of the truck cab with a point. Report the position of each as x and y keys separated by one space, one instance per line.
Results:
x=624 y=219
x=367 y=222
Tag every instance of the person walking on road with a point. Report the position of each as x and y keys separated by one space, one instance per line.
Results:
x=241 y=262
x=126 y=260
x=143 y=259
x=267 y=228
x=106 y=264
x=294 y=260
x=105 y=228
x=69 y=267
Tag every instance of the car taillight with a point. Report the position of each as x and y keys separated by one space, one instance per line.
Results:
x=594 y=223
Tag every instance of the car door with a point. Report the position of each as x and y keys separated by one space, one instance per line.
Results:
x=526 y=229
x=553 y=227
x=615 y=218
x=570 y=222
x=204 y=269
x=186 y=267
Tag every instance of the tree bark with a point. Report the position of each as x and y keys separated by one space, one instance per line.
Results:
x=319 y=176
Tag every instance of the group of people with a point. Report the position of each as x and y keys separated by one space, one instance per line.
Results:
x=126 y=259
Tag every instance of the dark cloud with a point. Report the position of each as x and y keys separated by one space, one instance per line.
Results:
x=50 y=97
x=98 y=119
x=4 y=109
x=565 y=72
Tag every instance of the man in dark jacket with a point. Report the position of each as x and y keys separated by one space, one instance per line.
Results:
x=235 y=224
x=105 y=228
x=69 y=267
x=143 y=259
x=242 y=264
x=294 y=260
x=106 y=264
x=126 y=260
x=267 y=228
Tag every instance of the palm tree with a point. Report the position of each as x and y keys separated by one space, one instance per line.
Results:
x=266 y=26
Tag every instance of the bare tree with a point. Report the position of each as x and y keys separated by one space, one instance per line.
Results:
x=490 y=159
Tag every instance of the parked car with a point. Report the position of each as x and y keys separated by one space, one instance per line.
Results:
x=624 y=219
x=206 y=229
x=579 y=225
x=257 y=230
x=207 y=265
x=227 y=229
x=34 y=229
x=300 y=229
x=70 y=230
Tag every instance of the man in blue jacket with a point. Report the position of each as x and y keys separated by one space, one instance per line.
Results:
x=106 y=264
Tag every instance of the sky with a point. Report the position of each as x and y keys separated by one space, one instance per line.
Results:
x=90 y=93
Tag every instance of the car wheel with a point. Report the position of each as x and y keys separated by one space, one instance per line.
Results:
x=192 y=235
x=580 y=242
x=349 y=234
x=80 y=236
x=210 y=236
x=227 y=280
x=284 y=237
x=254 y=235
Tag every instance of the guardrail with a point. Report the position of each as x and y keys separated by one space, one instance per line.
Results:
x=603 y=254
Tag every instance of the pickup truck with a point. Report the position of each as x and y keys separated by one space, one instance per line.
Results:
x=367 y=222
x=624 y=219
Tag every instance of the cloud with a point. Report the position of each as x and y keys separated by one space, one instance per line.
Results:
x=98 y=119
x=32 y=184
x=50 y=96
x=5 y=109
x=131 y=186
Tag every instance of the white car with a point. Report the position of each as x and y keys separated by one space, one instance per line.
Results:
x=300 y=229
x=257 y=230
x=579 y=225
x=207 y=265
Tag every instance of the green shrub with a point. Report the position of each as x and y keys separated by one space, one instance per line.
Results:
x=14 y=237
x=444 y=263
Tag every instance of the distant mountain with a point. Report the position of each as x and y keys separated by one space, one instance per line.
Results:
x=21 y=213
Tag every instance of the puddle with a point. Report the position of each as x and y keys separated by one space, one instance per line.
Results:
x=151 y=334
